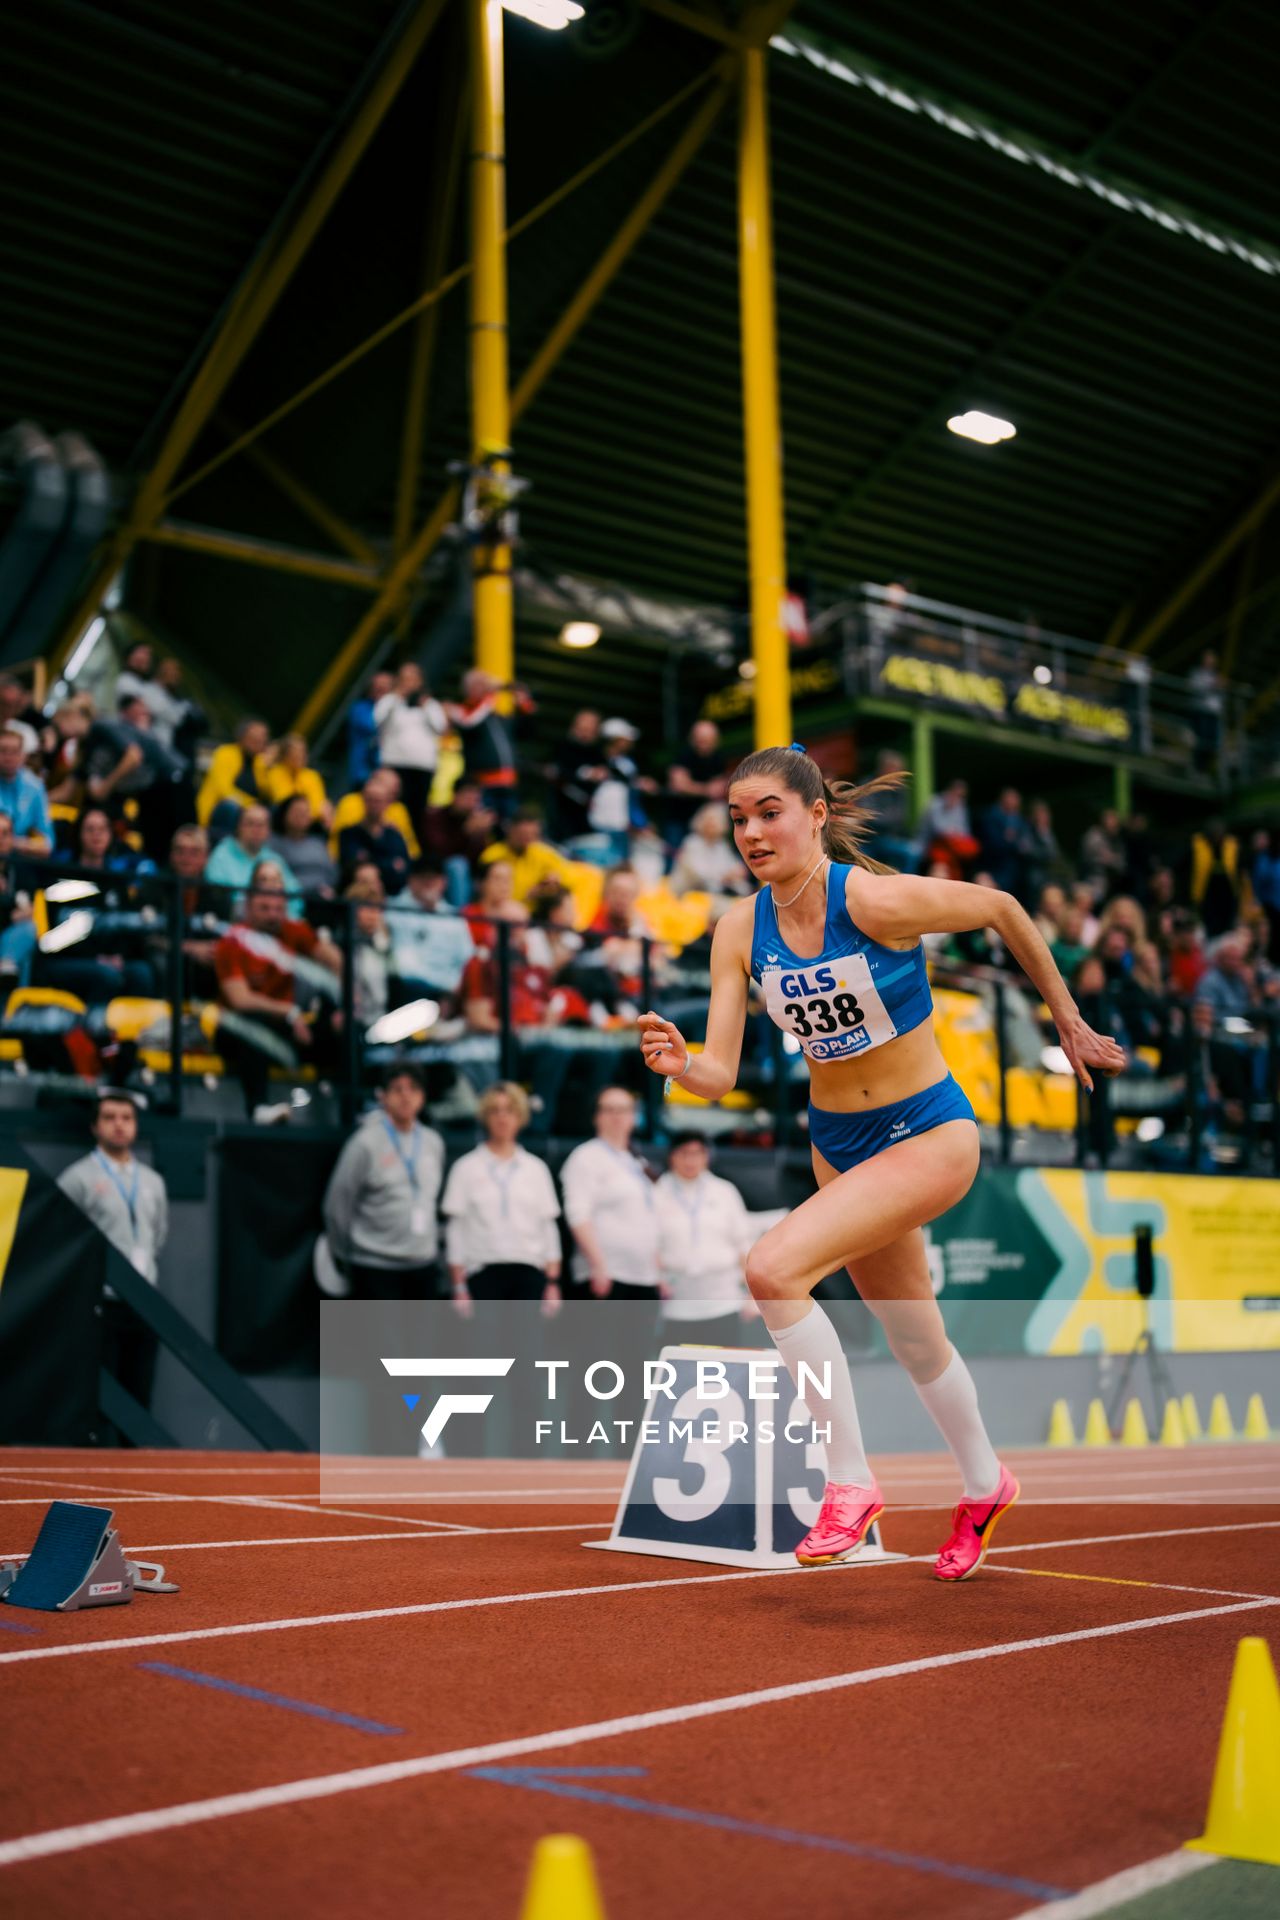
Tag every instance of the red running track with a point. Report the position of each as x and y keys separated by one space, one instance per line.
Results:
x=1039 y=1728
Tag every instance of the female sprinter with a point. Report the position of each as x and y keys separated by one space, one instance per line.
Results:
x=833 y=939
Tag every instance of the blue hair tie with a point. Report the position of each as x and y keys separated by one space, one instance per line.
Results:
x=797 y=746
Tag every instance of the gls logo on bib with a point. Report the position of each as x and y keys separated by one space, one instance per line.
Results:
x=834 y=1009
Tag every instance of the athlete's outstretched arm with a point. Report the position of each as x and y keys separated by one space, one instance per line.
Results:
x=715 y=1070
x=900 y=906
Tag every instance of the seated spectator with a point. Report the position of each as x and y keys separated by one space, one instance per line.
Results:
x=1071 y=948
x=1050 y=907
x=430 y=946
x=947 y=831
x=457 y=835
x=257 y=979
x=17 y=929
x=17 y=711
x=60 y=752
x=1103 y=859
x=188 y=855
x=1185 y=957
x=98 y=847
x=298 y=842
x=695 y=776
x=234 y=861
x=538 y=1005
x=1006 y=843
x=410 y=727
x=23 y=798
x=98 y=966
x=236 y=778
x=708 y=861
x=289 y=774
x=125 y=763
x=578 y=767
x=374 y=836
x=136 y=679
x=1265 y=874
x=371 y=947
x=177 y=721
x=533 y=860
x=1228 y=984
x=351 y=810
x=616 y=916
x=495 y=901
x=362 y=729
x=1045 y=862
x=551 y=939
x=889 y=817
x=1081 y=895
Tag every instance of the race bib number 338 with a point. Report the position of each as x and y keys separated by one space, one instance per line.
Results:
x=833 y=1007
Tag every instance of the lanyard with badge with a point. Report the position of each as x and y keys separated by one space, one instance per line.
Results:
x=690 y=1212
x=418 y=1215
x=502 y=1180
x=137 y=1254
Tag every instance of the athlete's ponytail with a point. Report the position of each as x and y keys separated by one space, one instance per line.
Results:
x=848 y=823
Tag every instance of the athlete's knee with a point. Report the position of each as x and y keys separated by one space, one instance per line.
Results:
x=769 y=1275
x=916 y=1336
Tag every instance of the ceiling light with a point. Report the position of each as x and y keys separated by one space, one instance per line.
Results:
x=552 y=14
x=746 y=669
x=579 y=633
x=984 y=427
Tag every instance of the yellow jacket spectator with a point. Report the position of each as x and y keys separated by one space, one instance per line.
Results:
x=236 y=774
x=290 y=774
x=533 y=860
x=350 y=811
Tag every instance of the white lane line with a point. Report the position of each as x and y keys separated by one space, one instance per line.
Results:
x=346 y=1539
x=342 y=1513
x=130 y=1826
x=1104 y=1896
x=1112 y=1539
x=59 y=1652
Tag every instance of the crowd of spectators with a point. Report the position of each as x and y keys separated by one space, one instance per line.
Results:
x=449 y=884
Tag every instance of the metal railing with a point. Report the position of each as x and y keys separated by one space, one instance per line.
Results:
x=135 y=996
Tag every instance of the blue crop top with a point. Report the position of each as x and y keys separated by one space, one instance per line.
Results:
x=854 y=995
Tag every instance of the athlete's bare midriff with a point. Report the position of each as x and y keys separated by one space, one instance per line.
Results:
x=895 y=1071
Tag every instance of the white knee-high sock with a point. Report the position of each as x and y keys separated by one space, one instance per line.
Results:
x=952 y=1401
x=815 y=1341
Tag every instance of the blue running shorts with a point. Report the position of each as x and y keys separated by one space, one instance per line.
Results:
x=847 y=1139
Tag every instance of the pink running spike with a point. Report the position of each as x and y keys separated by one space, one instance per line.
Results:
x=841 y=1527
x=974 y=1522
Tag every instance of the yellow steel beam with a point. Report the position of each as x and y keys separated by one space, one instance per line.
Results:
x=446 y=167
x=260 y=553
x=493 y=611
x=344 y=536
x=762 y=426
x=349 y=659
x=253 y=302
x=1252 y=517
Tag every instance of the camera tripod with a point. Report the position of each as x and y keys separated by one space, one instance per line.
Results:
x=1145 y=1349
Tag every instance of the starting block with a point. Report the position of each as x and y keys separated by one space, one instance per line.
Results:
x=736 y=1480
x=77 y=1561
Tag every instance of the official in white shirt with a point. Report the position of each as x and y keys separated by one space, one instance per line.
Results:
x=126 y=1200
x=502 y=1232
x=611 y=1208
x=705 y=1233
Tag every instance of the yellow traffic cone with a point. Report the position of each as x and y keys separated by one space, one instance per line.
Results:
x=1061 y=1431
x=1220 y=1427
x=562 y=1881
x=1172 y=1431
x=1244 y=1806
x=1191 y=1417
x=1134 y=1431
x=1256 y=1425
x=1096 y=1431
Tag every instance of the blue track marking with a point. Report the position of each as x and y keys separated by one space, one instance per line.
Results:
x=265 y=1699
x=17 y=1626
x=569 y=1784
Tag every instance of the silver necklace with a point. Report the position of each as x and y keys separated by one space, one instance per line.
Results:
x=808 y=877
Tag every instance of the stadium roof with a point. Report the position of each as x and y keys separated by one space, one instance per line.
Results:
x=1067 y=218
